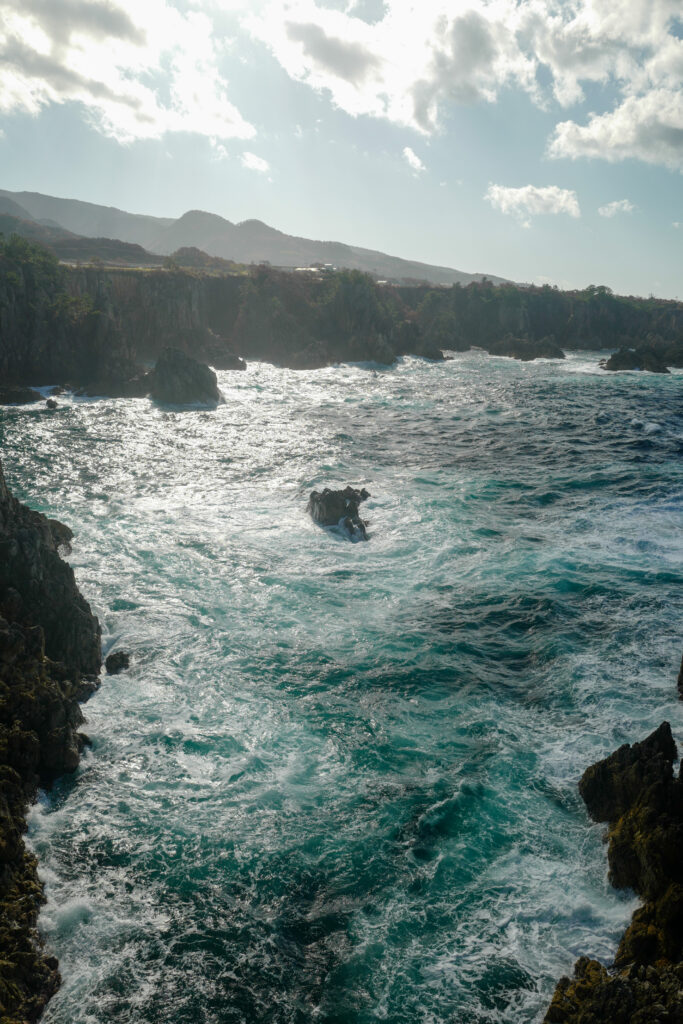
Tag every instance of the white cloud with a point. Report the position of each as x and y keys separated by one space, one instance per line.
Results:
x=615 y=207
x=649 y=128
x=412 y=61
x=413 y=160
x=255 y=163
x=530 y=201
x=140 y=70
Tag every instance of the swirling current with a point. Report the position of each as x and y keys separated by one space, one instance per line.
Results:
x=338 y=783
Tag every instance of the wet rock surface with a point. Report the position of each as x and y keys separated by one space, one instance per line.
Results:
x=178 y=379
x=37 y=587
x=117 y=662
x=636 y=792
x=39 y=727
x=339 y=508
x=636 y=359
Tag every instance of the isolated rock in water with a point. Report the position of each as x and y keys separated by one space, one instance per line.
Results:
x=339 y=508
x=18 y=396
x=117 y=662
x=178 y=379
x=526 y=349
x=635 y=359
x=51 y=404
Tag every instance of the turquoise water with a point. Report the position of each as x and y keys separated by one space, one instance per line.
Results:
x=339 y=782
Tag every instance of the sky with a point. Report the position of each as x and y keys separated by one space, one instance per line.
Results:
x=539 y=140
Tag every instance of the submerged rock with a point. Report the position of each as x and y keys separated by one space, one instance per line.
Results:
x=635 y=791
x=177 y=379
x=117 y=662
x=339 y=508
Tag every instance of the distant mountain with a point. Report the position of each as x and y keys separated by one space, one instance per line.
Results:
x=75 y=248
x=89 y=219
x=250 y=241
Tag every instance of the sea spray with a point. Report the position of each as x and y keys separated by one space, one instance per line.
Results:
x=338 y=781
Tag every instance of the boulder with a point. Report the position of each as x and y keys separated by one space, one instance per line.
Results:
x=117 y=662
x=178 y=379
x=339 y=508
x=51 y=404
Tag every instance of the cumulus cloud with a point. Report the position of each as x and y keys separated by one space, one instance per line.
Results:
x=649 y=128
x=530 y=200
x=255 y=163
x=413 y=160
x=615 y=207
x=139 y=70
x=410 y=62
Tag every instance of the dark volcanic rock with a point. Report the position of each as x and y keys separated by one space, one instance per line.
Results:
x=18 y=396
x=611 y=787
x=39 y=721
x=339 y=508
x=636 y=792
x=37 y=586
x=117 y=662
x=526 y=349
x=635 y=359
x=51 y=404
x=178 y=379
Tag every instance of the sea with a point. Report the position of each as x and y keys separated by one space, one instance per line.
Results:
x=338 y=783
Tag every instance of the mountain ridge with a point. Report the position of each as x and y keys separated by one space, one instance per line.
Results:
x=249 y=241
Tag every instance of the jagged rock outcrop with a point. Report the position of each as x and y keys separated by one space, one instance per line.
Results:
x=339 y=508
x=117 y=662
x=40 y=610
x=636 y=359
x=636 y=792
x=38 y=587
x=178 y=379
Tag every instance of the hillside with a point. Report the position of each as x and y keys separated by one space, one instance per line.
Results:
x=250 y=241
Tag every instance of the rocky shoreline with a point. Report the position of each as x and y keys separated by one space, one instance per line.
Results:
x=50 y=658
x=636 y=793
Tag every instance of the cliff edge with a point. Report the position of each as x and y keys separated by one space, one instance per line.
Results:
x=49 y=654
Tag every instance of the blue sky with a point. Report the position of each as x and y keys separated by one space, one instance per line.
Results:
x=534 y=139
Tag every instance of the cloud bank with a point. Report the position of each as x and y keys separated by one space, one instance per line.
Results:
x=414 y=61
x=140 y=70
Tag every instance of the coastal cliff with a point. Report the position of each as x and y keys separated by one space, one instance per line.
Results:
x=49 y=657
x=636 y=793
x=100 y=327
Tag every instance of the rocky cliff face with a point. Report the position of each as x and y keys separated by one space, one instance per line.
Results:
x=37 y=587
x=48 y=637
x=636 y=793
